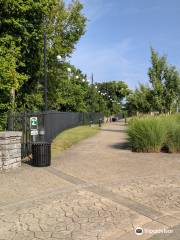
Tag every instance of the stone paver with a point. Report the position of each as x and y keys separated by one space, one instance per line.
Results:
x=78 y=215
x=98 y=190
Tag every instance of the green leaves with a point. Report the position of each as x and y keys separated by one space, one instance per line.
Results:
x=10 y=78
x=163 y=93
x=23 y=23
x=154 y=134
x=113 y=92
x=147 y=134
x=165 y=81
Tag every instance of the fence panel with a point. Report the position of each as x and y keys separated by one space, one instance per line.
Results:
x=51 y=123
x=60 y=121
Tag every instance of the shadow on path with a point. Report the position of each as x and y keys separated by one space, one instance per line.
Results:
x=122 y=146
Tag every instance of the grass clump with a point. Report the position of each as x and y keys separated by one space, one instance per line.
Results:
x=146 y=134
x=154 y=134
x=173 y=136
x=72 y=136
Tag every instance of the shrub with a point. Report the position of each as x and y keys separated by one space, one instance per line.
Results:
x=3 y=121
x=152 y=134
x=173 y=137
x=147 y=134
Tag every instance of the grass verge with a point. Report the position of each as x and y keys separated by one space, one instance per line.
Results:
x=72 y=136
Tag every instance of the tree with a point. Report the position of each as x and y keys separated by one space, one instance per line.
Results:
x=165 y=81
x=140 y=100
x=10 y=79
x=157 y=78
x=20 y=27
x=113 y=93
x=163 y=94
x=25 y=22
x=64 y=27
x=69 y=93
x=171 y=89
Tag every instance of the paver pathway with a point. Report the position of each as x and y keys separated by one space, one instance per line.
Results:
x=96 y=190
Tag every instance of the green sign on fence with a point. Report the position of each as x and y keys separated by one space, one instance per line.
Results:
x=33 y=122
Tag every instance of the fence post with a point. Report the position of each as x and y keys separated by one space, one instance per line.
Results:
x=45 y=121
x=27 y=137
x=83 y=116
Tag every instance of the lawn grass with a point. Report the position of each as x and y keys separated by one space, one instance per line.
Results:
x=72 y=136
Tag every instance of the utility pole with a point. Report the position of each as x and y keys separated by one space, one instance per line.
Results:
x=45 y=76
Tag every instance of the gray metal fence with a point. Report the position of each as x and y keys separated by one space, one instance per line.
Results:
x=50 y=124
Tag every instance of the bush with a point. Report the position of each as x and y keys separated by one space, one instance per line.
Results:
x=147 y=134
x=173 y=137
x=3 y=121
x=152 y=134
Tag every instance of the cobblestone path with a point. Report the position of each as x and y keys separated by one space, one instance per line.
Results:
x=97 y=190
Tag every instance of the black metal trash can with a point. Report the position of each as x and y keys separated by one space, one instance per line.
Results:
x=41 y=154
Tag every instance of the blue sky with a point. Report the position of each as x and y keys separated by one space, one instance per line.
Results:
x=119 y=34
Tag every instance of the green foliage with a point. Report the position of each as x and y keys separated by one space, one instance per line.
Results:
x=69 y=97
x=64 y=27
x=146 y=134
x=165 y=81
x=113 y=93
x=23 y=24
x=173 y=139
x=22 y=21
x=3 y=121
x=10 y=78
x=153 y=134
x=163 y=94
x=157 y=78
x=140 y=100
x=66 y=92
x=173 y=133
x=171 y=89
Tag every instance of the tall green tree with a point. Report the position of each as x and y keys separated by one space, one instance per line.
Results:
x=24 y=22
x=10 y=79
x=163 y=92
x=141 y=100
x=165 y=83
x=70 y=91
x=172 y=89
x=21 y=23
x=113 y=93
x=157 y=79
x=64 y=27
